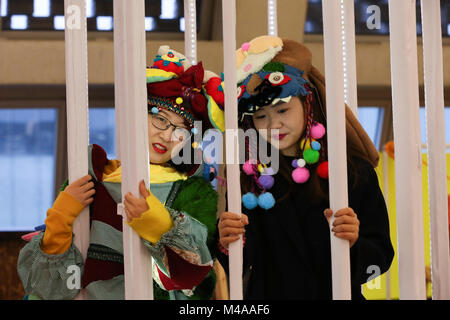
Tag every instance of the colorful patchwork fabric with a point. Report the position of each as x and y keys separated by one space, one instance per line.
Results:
x=192 y=205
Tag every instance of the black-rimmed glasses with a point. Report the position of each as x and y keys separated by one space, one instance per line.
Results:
x=162 y=123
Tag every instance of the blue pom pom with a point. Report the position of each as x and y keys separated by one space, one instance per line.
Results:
x=249 y=201
x=194 y=130
x=315 y=145
x=266 y=201
x=155 y=110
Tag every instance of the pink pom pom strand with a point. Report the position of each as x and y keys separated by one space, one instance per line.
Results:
x=317 y=131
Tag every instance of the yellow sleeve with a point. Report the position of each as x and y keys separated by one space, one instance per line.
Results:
x=153 y=223
x=58 y=231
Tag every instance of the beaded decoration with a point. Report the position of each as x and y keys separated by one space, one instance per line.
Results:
x=311 y=149
x=171 y=105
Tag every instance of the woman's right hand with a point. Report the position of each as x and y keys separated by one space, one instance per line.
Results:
x=231 y=226
x=82 y=190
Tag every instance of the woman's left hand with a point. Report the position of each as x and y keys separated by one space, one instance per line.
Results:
x=345 y=224
x=135 y=207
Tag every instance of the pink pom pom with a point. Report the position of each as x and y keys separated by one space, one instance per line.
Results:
x=300 y=175
x=245 y=46
x=248 y=168
x=317 y=131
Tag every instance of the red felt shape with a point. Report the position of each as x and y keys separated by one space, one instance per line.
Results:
x=171 y=67
x=95 y=270
x=183 y=274
x=212 y=88
x=99 y=160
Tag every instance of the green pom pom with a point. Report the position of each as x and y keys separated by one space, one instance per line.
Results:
x=311 y=156
x=274 y=66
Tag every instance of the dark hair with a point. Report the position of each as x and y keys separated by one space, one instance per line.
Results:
x=317 y=188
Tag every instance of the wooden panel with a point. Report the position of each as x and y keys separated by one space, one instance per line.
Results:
x=10 y=285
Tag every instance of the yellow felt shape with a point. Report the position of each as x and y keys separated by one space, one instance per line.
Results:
x=252 y=56
x=153 y=223
x=263 y=43
x=58 y=232
x=257 y=46
x=158 y=174
x=216 y=115
x=157 y=75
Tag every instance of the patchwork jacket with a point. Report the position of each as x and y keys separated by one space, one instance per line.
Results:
x=182 y=267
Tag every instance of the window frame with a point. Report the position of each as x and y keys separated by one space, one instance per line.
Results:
x=54 y=96
x=204 y=31
x=314 y=36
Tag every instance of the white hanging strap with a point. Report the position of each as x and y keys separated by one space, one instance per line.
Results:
x=77 y=110
x=190 y=31
x=272 y=21
x=437 y=166
x=340 y=253
x=349 y=55
x=131 y=103
x=408 y=158
x=232 y=145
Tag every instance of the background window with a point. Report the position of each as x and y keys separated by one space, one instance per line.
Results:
x=314 y=22
x=102 y=128
x=48 y=15
x=27 y=161
x=371 y=118
x=423 y=126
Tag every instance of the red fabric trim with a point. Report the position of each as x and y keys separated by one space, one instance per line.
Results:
x=183 y=274
x=104 y=208
x=95 y=270
x=167 y=282
x=99 y=160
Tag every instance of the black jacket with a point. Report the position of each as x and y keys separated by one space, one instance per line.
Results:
x=287 y=248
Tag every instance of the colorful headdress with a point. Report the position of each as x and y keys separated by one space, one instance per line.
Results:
x=173 y=84
x=270 y=70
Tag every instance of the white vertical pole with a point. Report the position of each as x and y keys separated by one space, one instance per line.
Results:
x=340 y=253
x=190 y=31
x=132 y=123
x=349 y=55
x=408 y=158
x=437 y=169
x=232 y=145
x=119 y=39
x=77 y=110
x=272 y=20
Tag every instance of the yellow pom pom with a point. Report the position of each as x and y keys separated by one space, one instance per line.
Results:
x=179 y=100
x=260 y=168
x=195 y=144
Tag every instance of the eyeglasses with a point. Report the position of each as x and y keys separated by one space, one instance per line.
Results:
x=162 y=123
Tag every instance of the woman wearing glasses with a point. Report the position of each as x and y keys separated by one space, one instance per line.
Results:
x=176 y=218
